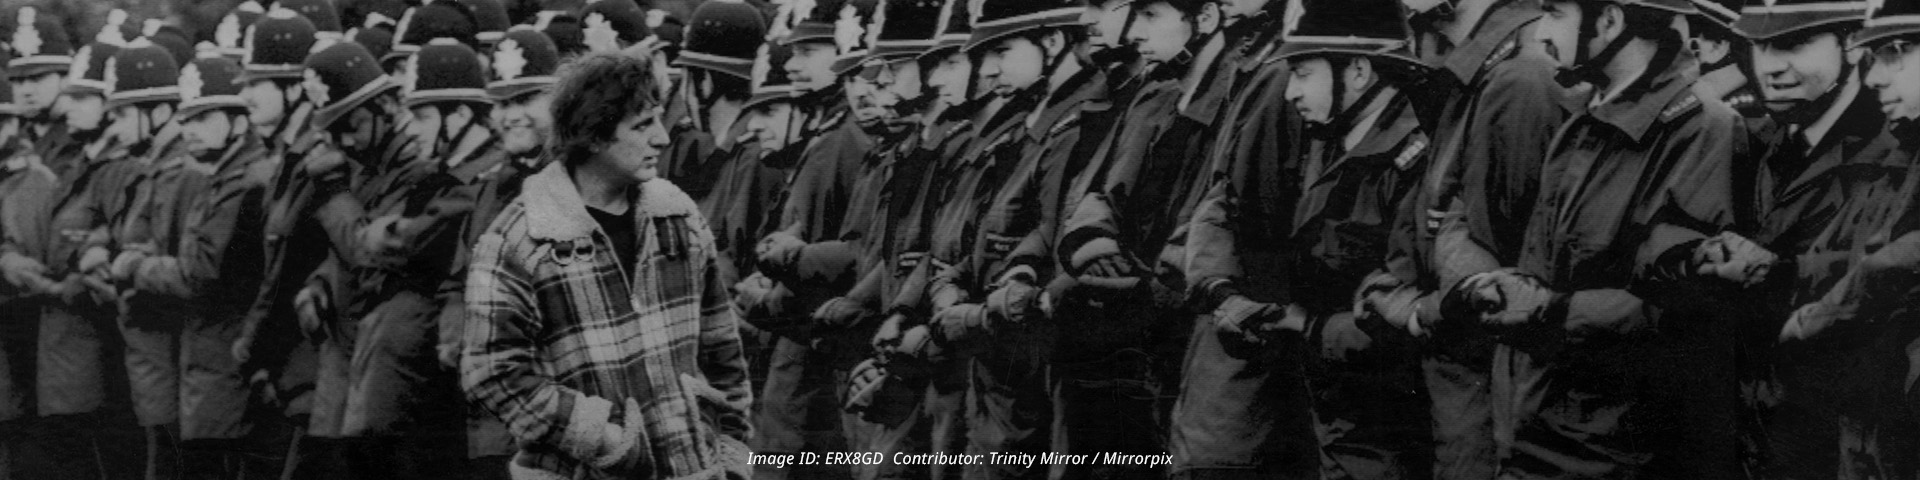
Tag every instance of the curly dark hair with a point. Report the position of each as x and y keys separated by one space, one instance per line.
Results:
x=595 y=92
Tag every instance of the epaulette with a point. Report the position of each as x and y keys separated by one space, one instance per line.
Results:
x=1070 y=121
x=1685 y=104
x=1416 y=144
x=1746 y=103
x=1506 y=50
x=829 y=123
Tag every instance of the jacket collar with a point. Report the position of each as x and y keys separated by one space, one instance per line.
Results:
x=1397 y=126
x=237 y=157
x=1861 y=123
x=1087 y=89
x=1641 y=106
x=555 y=210
x=1494 y=36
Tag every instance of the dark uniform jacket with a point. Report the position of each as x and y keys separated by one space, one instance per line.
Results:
x=295 y=245
x=1628 y=189
x=211 y=261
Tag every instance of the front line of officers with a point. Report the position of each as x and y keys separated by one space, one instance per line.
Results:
x=1451 y=239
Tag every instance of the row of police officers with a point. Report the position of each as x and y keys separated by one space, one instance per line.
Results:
x=1368 y=239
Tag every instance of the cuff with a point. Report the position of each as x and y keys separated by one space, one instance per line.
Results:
x=586 y=428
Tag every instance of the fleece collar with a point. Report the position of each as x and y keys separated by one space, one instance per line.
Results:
x=555 y=210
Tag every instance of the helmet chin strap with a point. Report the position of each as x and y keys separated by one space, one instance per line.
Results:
x=1802 y=112
x=1340 y=123
x=1590 y=67
x=451 y=140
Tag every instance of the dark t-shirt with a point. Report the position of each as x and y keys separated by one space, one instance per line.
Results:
x=620 y=228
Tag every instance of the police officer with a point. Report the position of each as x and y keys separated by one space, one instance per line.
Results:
x=41 y=55
x=827 y=157
x=80 y=384
x=1828 y=134
x=1877 y=283
x=966 y=116
x=613 y=25
x=394 y=236
x=1229 y=417
x=490 y=22
x=746 y=187
x=1118 y=214
x=1366 y=150
x=22 y=175
x=323 y=14
x=454 y=20
x=1723 y=55
x=1496 y=109
x=745 y=193
x=524 y=61
x=279 y=364
x=229 y=36
x=204 y=213
x=450 y=125
x=141 y=101
x=1599 y=267
x=718 y=59
x=1032 y=52
x=889 y=401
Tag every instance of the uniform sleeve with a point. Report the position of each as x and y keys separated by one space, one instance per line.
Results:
x=202 y=260
x=1497 y=170
x=796 y=214
x=1035 y=251
x=722 y=358
x=1233 y=241
x=498 y=369
x=1693 y=201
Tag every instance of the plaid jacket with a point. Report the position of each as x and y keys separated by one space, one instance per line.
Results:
x=557 y=339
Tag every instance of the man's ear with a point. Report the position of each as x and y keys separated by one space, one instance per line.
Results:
x=463 y=112
x=1360 y=75
x=1054 y=42
x=1612 y=23
x=161 y=113
x=1853 y=55
x=1209 y=20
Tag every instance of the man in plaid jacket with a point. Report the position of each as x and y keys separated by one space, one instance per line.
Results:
x=599 y=327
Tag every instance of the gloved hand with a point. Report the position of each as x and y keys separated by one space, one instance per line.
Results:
x=942 y=293
x=887 y=338
x=242 y=349
x=1245 y=326
x=917 y=343
x=262 y=385
x=386 y=238
x=127 y=264
x=863 y=382
x=322 y=159
x=1375 y=283
x=1102 y=257
x=1505 y=297
x=20 y=271
x=838 y=312
x=778 y=252
x=1017 y=302
x=314 y=305
x=620 y=442
x=95 y=258
x=960 y=322
x=1734 y=258
x=1808 y=321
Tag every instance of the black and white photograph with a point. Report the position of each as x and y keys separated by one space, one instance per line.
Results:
x=960 y=240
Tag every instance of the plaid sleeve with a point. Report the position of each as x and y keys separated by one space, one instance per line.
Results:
x=499 y=364
x=722 y=358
